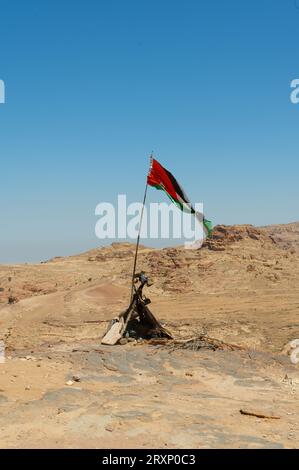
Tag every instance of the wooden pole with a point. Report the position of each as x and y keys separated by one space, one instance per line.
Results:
x=138 y=237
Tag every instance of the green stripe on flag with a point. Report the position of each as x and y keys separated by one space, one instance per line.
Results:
x=207 y=223
x=209 y=226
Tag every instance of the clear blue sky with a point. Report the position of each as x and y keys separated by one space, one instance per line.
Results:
x=92 y=87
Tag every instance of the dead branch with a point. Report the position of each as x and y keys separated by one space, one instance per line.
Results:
x=258 y=414
x=196 y=343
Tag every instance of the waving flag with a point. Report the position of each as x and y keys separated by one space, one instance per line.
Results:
x=160 y=178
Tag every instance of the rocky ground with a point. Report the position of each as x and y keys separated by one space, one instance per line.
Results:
x=59 y=387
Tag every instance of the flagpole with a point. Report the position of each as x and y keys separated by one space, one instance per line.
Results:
x=139 y=231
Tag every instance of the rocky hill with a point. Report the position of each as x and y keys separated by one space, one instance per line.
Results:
x=241 y=287
x=287 y=236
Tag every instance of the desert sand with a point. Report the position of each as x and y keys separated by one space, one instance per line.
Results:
x=60 y=388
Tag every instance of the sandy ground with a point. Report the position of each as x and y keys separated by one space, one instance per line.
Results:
x=59 y=387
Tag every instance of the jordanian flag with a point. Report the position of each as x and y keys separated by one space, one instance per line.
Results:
x=162 y=179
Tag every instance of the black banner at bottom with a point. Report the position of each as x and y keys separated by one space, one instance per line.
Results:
x=132 y=458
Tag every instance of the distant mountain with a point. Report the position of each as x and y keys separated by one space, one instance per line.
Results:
x=287 y=236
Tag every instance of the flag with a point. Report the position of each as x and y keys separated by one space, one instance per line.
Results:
x=160 y=178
